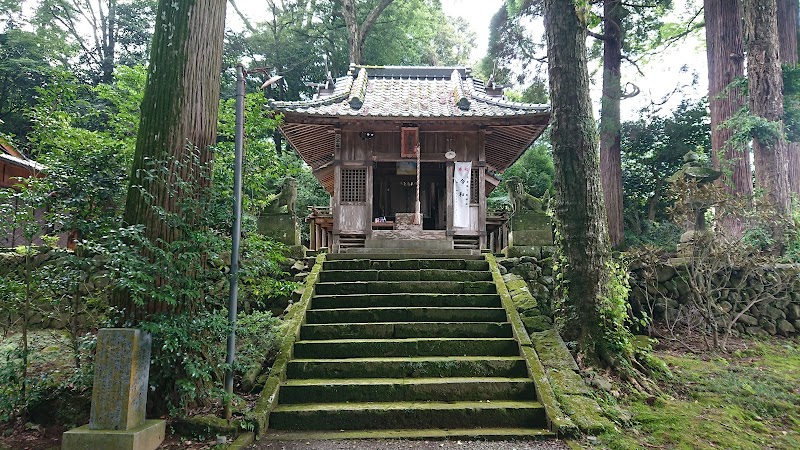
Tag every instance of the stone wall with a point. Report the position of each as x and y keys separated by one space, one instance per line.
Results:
x=665 y=290
x=530 y=282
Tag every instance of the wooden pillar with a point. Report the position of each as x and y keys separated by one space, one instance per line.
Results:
x=368 y=197
x=482 y=187
x=451 y=166
x=335 y=210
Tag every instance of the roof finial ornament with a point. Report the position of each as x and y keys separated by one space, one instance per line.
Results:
x=328 y=77
x=491 y=77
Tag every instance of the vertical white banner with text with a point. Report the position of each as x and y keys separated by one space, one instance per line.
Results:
x=461 y=190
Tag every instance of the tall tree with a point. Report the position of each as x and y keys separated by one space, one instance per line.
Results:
x=610 y=122
x=106 y=31
x=357 y=30
x=178 y=115
x=787 y=29
x=765 y=80
x=579 y=211
x=725 y=55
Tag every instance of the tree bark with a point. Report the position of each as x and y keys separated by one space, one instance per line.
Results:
x=610 y=136
x=357 y=33
x=725 y=55
x=178 y=122
x=787 y=29
x=765 y=80
x=579 y=211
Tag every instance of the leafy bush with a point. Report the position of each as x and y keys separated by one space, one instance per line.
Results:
x=187 y=362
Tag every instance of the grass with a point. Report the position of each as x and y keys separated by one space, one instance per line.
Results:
x=748 y=399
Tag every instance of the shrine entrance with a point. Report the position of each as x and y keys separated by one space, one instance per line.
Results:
x=395 y=185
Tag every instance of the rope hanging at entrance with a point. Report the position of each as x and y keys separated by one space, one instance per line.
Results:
x=417 y=215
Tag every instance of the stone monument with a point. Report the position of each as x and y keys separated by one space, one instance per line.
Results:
x=531 y=226
x=119 y=396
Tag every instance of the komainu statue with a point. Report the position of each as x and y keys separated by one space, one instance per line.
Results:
x=286 y=197
x=521 y=200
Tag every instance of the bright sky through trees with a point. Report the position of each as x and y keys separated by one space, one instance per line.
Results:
x=678 y=67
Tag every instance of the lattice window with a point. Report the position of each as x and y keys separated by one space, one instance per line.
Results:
x=474 y=187
x=354 y=185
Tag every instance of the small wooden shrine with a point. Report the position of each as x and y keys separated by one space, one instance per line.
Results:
x=408 y=154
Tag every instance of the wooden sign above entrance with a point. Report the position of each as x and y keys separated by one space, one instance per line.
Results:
x=409 y=139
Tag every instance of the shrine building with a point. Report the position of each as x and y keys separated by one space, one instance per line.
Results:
x=409 y=156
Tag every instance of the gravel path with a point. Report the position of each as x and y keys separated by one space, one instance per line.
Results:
x=399 y=444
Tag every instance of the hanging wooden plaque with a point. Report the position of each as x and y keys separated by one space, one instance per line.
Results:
x=409 y=139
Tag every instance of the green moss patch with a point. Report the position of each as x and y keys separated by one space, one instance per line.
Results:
x=748 y=399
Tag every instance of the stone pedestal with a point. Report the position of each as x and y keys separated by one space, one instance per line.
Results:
x=119 y=396
x=531 y=235
x=281 y=227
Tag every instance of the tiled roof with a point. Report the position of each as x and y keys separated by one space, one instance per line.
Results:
x=418 y=92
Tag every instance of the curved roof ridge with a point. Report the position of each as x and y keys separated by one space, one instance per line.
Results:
x=344 y=94
x=482 y=96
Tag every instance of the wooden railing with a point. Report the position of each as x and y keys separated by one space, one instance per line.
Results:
x=320 y=223
x=497 y=229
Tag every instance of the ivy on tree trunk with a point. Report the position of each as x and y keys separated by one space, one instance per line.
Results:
x=579 y=211
x=765 y=79
x=725 y=55
x=178 y=124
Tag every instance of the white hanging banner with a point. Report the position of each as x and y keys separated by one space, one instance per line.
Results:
x=461 y=190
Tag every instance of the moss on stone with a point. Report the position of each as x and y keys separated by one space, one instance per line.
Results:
x=586 y=414
x=258 y=417
x=537 y=323
x=552 y=351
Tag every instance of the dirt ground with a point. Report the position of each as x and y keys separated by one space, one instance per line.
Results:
x=400 y=444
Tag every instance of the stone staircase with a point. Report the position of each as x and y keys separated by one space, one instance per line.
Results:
x=406 y=348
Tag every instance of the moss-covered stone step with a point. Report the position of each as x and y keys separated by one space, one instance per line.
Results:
x=394 y=254
x=415 y=367
x=392 y=287
x=403 y=415
x=418 y=300
x=406 y=390
x=371 y=348
x=401 y=314
x=406 y=264
x=405 y=275
x=389 y=330
x=488 y=434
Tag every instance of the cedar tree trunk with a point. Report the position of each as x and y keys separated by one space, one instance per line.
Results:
x=765 y=80
x=579 y=211
x=178 y=118
x=787 y=29
x=725 y=55
x=610 y=159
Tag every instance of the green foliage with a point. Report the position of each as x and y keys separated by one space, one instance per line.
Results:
x=661 y=235
x=261 y=275
x=187 y=360
x=257 y=336
x=743 y=400
x=612 y=311
x=535 y=170
x=418 y=32
x=791 y=101
x=746 y=126
x=652 y=151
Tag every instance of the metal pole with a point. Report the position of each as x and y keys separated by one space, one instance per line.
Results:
x=235 y=237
